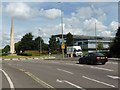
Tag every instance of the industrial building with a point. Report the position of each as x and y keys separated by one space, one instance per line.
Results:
x=88 y=42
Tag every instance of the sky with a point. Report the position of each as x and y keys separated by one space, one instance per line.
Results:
x=43 y=18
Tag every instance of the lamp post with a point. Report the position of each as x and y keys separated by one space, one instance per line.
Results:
x=62 y=45
x=40 y=47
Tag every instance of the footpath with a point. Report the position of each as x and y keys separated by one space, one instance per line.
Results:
x=52 y=58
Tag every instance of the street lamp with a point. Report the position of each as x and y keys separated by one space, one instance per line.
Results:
x=62 y=45
x=40 y=47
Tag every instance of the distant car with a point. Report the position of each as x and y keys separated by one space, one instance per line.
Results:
x=93 y=58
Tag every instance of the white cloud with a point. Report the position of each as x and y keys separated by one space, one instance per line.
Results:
x=24 y=11
x=114 y=25
x=106 y=33
x=83 y=12
x=5 y=38
x=84 y=19
x=19 y=10
x=50 y=13
x=99 y=13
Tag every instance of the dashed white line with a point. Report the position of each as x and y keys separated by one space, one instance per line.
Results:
x=64 y=81
x=74 y=64
x=98 y=81
x=101 y=68
x=112 y=62
x=9 y=80
x=113 y=77
x=65 y=71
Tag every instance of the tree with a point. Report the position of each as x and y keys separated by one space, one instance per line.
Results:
x=69 y=39
x=37 y=43
x=54 y=44
x=27 y=42
x=100 y=46
x=115 y=46
x=6 y=49
x=18 y=47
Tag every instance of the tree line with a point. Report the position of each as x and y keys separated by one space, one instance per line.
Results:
x=115 y=45
x=28 y=43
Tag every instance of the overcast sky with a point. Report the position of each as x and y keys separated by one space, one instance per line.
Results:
x=79 y=18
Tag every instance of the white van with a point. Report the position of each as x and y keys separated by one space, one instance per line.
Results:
x=74 y=50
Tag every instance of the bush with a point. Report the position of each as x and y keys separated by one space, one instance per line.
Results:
x=55 y=52
x=25 y=54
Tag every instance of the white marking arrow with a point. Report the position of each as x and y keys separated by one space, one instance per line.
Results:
x=60 y=81
x=113 y=77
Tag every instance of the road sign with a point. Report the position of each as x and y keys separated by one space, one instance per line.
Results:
x=62 y=46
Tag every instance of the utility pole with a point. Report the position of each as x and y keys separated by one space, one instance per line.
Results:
x=96 y=36
x=62 y=45
x=40 y=47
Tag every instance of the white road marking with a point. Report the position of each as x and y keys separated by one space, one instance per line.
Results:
x=65 y=71
x=9 y=80
x=113 y=77
x=64 y=81
x=74 y=64
x=101 y=68
x=78 y=65
x=54 y=62
x=112 y=62
x=40 y=81
x=98 y=81
x=60 y=81
x=69 y=63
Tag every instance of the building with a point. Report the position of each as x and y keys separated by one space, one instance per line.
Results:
x=88 y=43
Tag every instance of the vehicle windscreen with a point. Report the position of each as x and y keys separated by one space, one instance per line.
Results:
x=77 y=50
x=99 y=54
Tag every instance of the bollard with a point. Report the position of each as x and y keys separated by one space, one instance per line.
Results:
x=71 y=55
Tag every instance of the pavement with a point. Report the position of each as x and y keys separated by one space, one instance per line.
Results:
x=53 y=58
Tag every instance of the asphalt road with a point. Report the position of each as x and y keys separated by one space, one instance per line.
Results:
x=53 y=74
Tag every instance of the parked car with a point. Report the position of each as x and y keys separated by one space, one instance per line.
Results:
x=93 y=58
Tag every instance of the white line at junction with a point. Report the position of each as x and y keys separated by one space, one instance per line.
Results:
x=9 y=80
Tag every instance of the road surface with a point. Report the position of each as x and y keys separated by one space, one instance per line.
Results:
x=58 y=74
